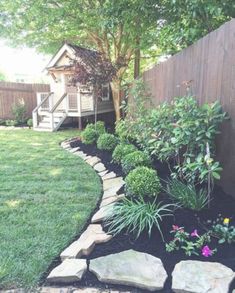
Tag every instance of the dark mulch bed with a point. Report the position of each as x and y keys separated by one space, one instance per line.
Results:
x=222 y=204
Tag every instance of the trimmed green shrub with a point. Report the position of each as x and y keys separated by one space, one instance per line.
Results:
x=11 y=123
x=30 y=122
x=187 y=196
x=92 y=132
x=135 y=159
x=137 y=216
x=142 y=182
x=19 y=111
x=107 y=142
x=89 y=136
x=121 y=151
x=122 y=130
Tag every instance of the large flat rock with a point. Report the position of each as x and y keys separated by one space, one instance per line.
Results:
x=111 y=199
x=93 y=161
x=102 y=213
x=100 y=167
x=201 y=277
x=109 y=175
x=69 y=271
x=131 y=268
x=93 y=235
x=117 y=182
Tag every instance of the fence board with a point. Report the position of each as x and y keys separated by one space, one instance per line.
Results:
x=210 y=64
x=11 y=93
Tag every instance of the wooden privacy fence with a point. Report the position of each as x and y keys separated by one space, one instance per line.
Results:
x=209 y=67
x=11 y=93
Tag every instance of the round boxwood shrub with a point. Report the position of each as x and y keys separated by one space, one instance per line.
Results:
x=89 y=136
x=107 y=142
x=98 y=127
x=135 y=159
x=142 y=182
x=121 y=151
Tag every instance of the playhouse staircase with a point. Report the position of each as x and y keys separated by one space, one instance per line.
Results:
x=46 y=125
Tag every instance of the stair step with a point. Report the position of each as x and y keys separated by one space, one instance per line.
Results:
x=48 y=119
x=43 y=129
x=46 y=124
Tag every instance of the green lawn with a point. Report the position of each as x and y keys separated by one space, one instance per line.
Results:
x=46 y=196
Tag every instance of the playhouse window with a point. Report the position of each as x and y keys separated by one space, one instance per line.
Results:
x=105 y=92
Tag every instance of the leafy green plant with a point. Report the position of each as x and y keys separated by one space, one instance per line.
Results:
x=190 y=243
x=123 y=130
x=186 y=195
x=11 y=122
x=19 y=111
x=135 y=159
x=2 y=122
x=121 y=150
x=30 y=123
x=107 y=142
x=222 y=230
x=142 y=182
x=92 y=132
x=137 y=216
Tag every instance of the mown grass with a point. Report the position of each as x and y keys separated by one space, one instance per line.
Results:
x=46 y=196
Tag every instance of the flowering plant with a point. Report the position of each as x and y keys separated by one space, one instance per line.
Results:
x=190 y=243
x=223 y=230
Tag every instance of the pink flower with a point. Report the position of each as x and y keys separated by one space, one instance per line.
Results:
x=206 y=251
x=175 y=227
x=194 y=233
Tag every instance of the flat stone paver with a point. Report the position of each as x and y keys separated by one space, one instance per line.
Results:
x=100 y=167
x=69 y=271
x=93 y=235
x=93 y=161
x=102 y=213
x=131 y=268
x=201 y=277
x=109 y=175
x=111 y=199
x=111 y=192
x=117 y=182
x=103 y=173
x=74 y=150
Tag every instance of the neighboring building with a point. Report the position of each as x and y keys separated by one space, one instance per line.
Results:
x=66 y=100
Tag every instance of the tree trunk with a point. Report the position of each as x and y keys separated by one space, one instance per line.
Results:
x=116 y=91
x=137 y=60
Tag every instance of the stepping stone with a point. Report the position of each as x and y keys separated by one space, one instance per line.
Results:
x=74 y=150
x=115 y=182
x=102 y=213
x=93 y=235
x=69 y=271
x=109 y=176
x=93 y=161
x=131 y=268
x=111 y=199
x=201 y=277
x=87 y=158
x=80 y=154
x=111 y=192
x=103 y=173
x=100 y=167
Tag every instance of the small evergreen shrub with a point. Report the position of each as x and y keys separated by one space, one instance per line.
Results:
x=19 y=111
x=2 y=122
x=107 y=142
x=89 y=136
x=121 y=151
x=11 y=123
x=142 y=182
x=30 y=122
x=92 y=131
x=135 y=159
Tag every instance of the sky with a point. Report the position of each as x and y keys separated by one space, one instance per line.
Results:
x=21 y=61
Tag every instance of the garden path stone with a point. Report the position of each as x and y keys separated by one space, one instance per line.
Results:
x=102 y=213
x=111 y=192
x=115 y=182
x=93 y=160
x=111 y=199
x=69 y=271
x=74 y=150
x=131 y=268
x=93 y=235
x=100 y=167
x=110 y=175
x=101 y=174
x=201 y=277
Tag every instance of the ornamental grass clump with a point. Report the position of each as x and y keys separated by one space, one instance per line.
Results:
x=121 y=150
x=137 y=216
x=107 y=142
x=134 y=160
x=187 y=196
x=142 y=182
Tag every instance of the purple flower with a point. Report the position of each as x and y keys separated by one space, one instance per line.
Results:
x=194 y=233
x=206 y=251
